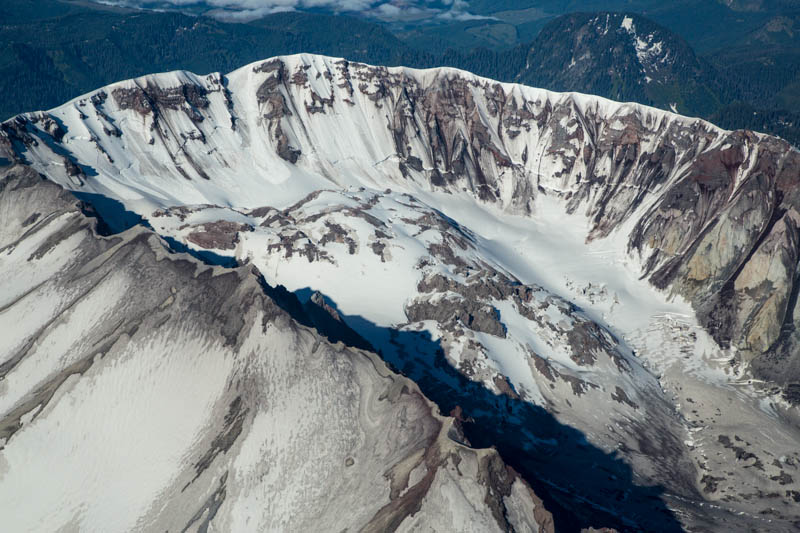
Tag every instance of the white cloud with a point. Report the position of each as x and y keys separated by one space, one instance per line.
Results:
x=387 y=10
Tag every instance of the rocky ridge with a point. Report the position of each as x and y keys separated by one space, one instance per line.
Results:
x=176 y=395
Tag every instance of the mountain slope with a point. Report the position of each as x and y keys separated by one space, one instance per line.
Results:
x=765 y=64
x=625 y=57
x=580 y=280
x=143 y=390
x=436 y=130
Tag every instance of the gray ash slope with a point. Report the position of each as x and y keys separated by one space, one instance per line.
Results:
x=144 y=390
x=398 y=194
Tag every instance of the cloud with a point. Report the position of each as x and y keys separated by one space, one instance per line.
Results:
x=386 y=10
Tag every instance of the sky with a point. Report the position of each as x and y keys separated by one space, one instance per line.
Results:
x=386 y=10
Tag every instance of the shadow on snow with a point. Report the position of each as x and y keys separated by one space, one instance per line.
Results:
x=582 y=485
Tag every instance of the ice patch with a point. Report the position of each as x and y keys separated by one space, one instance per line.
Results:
x=627 y=23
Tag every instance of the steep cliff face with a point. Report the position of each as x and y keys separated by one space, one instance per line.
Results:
x=144 y=390
x=579 y=280
x=725 y=237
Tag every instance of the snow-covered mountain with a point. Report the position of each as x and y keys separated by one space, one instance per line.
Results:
x=603 y=292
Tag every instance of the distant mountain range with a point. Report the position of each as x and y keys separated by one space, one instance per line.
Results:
x=52 y=51
x=624 y=57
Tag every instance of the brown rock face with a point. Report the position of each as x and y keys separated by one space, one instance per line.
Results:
x=187 y=97
x=275 y=106
x=727 y=239
x=222 y=235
